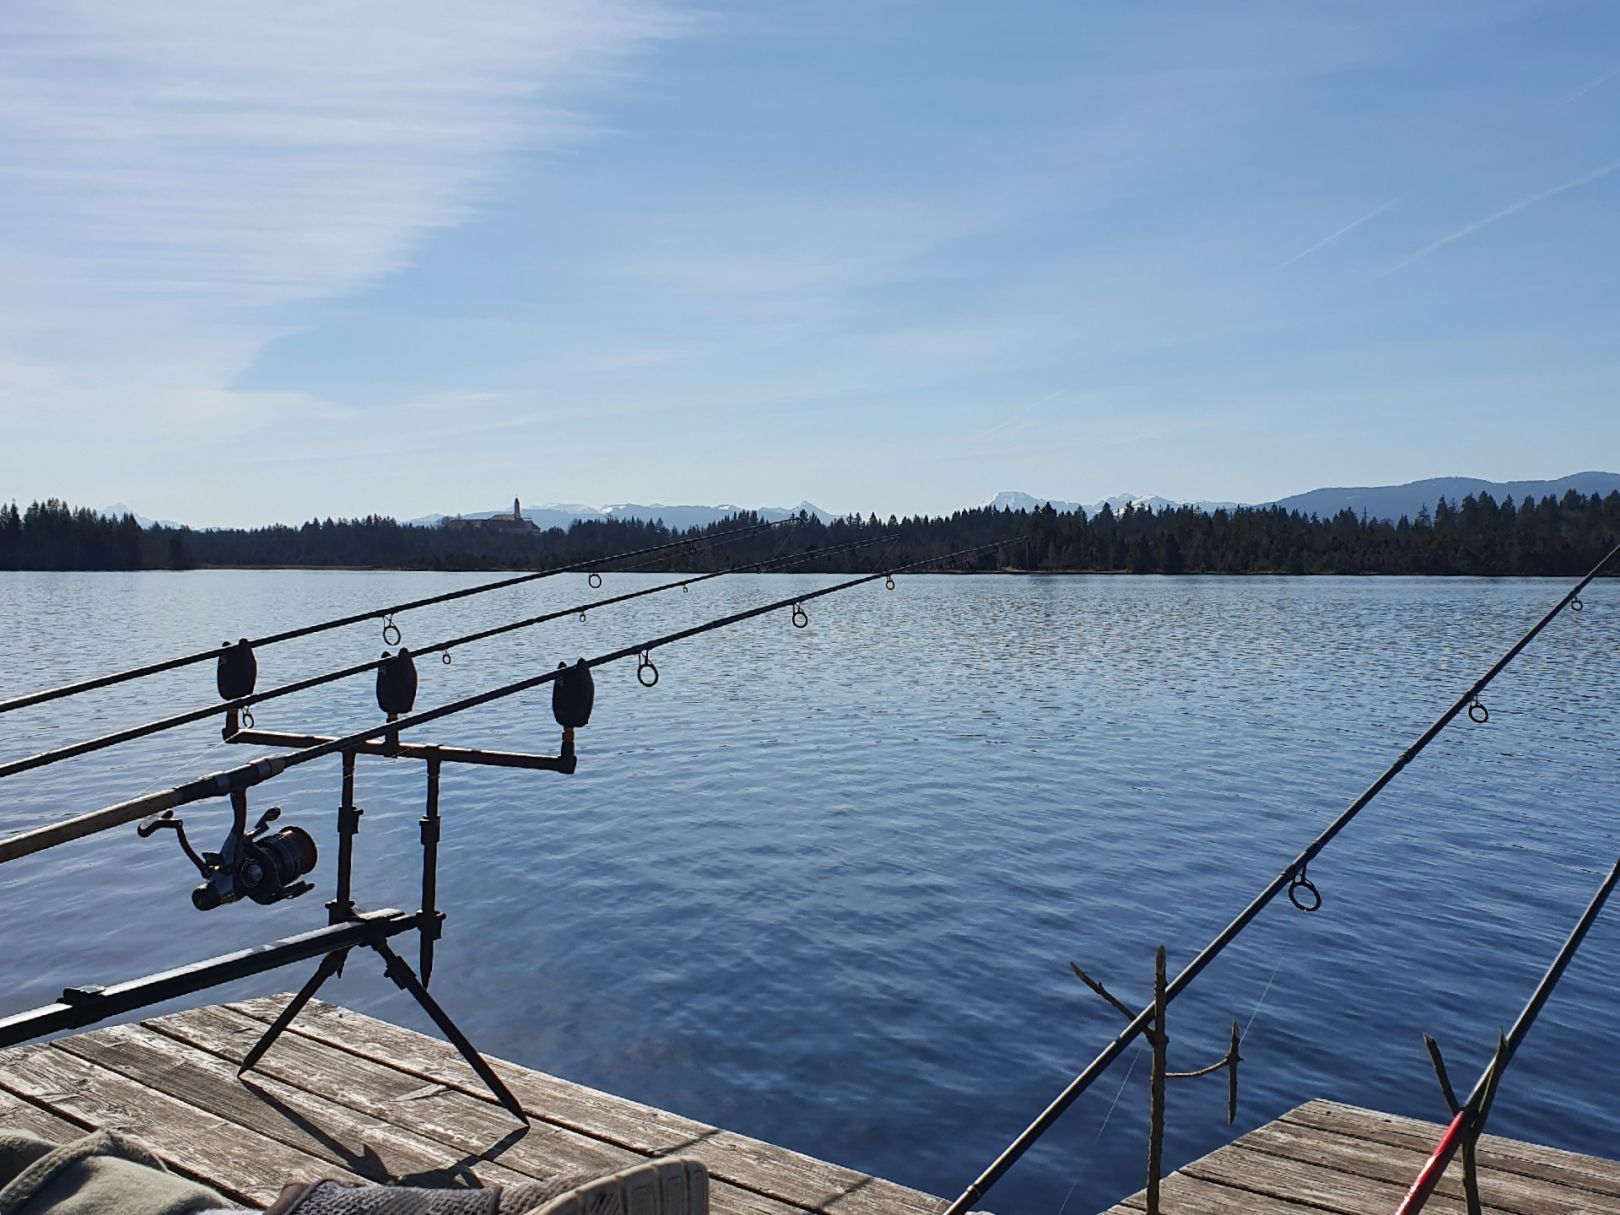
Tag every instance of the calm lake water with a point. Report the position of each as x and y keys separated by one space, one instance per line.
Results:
x=821 y=886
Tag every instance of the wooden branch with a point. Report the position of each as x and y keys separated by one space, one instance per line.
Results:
x=1161 y=1043
x=1498 y=1064
x=1223 y=1061
x=1231 y=1078
x=1440 y=1073
x=1230 y=1060
x=1102 y=991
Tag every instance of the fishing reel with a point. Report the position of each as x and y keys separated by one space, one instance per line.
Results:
x=263 y=865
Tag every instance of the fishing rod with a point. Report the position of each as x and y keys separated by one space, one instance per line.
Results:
x=386 y=614
x=1470 y=1119
x=235 y=705
x=239 y=779
x=1302 y=892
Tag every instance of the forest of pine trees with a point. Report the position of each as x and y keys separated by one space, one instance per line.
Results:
x=1478 y=536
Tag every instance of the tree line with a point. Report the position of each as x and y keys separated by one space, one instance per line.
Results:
x=1478 y=536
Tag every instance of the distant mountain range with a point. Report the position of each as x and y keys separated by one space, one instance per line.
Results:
x=1393 y=501
x=677 y=518
x=118 y=510
x=1376 y=501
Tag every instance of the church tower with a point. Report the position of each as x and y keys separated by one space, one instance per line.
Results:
x=517 y=511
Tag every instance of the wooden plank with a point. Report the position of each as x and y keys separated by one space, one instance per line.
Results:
x=436 y=1111
x=642 y=1128
x=752 y=1163
x=375 y=1150
x=1182 y=1194
x=1590 y=1173
x=1307 y=1184
x=19 y=1115
x=239 y=1164
x=1400 y=1164
x=441 y=1113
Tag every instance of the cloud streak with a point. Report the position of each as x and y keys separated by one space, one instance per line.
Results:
x=1329 y=239
x=1524 y=204
x=1597 y=81
x=1021 y=414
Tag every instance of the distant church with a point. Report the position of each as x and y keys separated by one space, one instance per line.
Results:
x=515 y=522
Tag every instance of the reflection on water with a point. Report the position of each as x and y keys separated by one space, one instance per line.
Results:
x=822 y=886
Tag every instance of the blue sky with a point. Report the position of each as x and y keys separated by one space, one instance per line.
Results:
x=269 y=261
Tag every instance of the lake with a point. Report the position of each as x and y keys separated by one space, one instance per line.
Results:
x=822 y=886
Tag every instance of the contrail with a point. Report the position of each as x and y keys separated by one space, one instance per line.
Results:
x=1328 y=240
x=1523 y=204
x=1022 y=413
x=1602 y=78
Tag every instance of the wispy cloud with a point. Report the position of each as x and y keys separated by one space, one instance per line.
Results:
x=1524 y=204
x=1597 y=81
x=1331 y=237
x=174 y=176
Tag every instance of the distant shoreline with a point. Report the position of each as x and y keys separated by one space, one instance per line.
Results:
x=1479 y=537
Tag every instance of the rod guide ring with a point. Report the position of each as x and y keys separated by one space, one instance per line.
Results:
x=1478 y=713
x=644 y=665
x=801 y=618
x=391 y=633
x=594 y=581
x=1299 y=882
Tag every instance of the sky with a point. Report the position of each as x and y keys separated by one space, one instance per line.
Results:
x=268 y=262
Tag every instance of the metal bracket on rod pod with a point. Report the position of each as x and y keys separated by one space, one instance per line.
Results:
x=341 y=907
x=432 y=919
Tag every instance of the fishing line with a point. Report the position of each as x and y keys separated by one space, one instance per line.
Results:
x=1103 y=1126
x=1129 y=1072
x=1258 y=1004
x=45 y=758
x=385 y=614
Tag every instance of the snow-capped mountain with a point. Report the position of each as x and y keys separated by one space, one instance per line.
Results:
x=118 y=510
x=1012 y=499
x=678 y=518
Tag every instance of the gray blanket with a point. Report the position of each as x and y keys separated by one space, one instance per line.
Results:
x=110 y=1174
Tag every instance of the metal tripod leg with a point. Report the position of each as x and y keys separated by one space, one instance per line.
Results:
x=401 y=973
x=330 y=965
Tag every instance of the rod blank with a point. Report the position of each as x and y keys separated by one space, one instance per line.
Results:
x=1469 y=1118
x=308 y=630
x=1047 y=1117
x=43 y=759
x=231 y=780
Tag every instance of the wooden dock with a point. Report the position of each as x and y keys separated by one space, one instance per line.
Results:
x=346 y=1095
x=1326 y=1157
